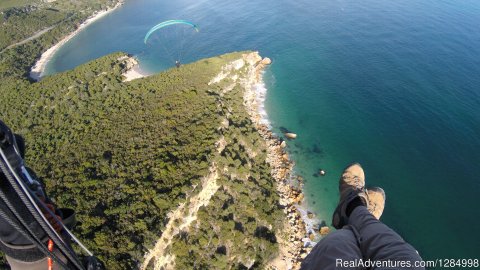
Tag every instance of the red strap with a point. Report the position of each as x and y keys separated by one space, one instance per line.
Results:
x=50 y=248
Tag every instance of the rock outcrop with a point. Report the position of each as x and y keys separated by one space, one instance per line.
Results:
x=290 y=135
x=324 y=230
x=266 y=61
x=292 y=249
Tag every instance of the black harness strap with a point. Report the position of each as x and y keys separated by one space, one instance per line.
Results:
x=12 y=167
x=21 y=225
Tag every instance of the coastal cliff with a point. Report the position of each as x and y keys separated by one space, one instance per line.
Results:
x=239 y=79
x=173 y=170
x=292 y=249
x=176 y=169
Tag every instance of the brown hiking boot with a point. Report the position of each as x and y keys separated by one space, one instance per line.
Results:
x=351 y=187
x=376 y=201
x=352 y=177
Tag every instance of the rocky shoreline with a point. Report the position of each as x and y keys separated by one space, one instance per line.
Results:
x=292 y=250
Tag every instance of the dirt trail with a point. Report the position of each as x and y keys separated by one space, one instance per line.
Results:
x=186 y=213
x=34 y=36
x=181 y=219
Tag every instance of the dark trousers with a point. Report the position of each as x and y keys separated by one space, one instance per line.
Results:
x=364 y=240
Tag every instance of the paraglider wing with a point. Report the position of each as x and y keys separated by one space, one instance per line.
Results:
x=167 y=23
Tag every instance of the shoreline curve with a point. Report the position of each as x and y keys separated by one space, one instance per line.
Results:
x=38 y=69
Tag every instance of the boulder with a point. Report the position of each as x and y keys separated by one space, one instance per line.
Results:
x=324 y=230
x=299 y=198
x=291 y=135
x=266 y=61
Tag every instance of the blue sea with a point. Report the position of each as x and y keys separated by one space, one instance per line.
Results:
x=394 y=85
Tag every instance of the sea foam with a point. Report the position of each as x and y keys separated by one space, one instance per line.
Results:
x=261 y=95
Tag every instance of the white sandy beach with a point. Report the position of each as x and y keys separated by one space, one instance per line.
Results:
x=134 y=73
x=38 y=69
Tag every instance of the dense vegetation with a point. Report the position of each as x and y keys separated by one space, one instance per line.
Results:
x=13 y=3
x=238 y=227
x=20 y=22
x=126 y=154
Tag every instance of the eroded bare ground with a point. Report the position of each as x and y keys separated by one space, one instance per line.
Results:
x=186 y=213
x=181 y=218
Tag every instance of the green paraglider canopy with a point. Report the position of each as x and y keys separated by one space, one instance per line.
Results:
x=165 y=24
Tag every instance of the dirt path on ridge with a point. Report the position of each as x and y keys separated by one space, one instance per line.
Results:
x=184 y=215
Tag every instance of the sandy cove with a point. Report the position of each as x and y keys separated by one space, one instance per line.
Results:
x=292 y=250
x=132 y=69
x=39 y=67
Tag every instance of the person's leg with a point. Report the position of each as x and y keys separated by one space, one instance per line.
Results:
x=333 y=252
x=362 y=235
x=380 y=243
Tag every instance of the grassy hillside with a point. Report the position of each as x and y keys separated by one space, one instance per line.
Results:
x=20 y=20
x=126 y=154
x=13 y=3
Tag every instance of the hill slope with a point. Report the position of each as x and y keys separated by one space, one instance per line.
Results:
x=173 y=153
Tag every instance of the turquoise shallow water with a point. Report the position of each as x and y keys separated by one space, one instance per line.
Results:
x=391 y=84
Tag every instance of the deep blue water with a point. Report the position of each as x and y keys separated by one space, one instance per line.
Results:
x=394 y=85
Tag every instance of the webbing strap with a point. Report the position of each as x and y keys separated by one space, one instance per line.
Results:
x=9 y=152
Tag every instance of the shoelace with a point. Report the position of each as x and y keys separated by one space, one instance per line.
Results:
x=357 y=184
